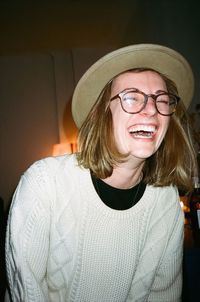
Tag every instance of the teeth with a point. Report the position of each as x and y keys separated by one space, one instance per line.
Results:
x=146 y=128
x=142 y=134
x=141 y=131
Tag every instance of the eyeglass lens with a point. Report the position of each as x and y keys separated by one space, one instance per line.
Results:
x=133 y=102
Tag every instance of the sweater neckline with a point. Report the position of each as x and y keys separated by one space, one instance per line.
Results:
x=89 y=194
x=116 y=198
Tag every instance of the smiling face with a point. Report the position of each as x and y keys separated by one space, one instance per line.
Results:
x=142 y=133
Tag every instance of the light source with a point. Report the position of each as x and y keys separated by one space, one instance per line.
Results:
x=64 y=148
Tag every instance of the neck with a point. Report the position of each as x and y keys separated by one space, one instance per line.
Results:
x=124 y=177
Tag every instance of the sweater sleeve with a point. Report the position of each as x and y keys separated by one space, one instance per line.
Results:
x=27 y=238
x=167 y=284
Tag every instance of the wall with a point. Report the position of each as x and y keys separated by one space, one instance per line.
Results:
x=35 y=108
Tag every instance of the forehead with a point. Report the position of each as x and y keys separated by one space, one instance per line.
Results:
x=138 y=79
x=146 y=75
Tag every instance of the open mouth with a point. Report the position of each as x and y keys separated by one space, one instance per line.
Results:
x=142 y=131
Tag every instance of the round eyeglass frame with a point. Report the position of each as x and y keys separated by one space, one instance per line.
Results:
x=146 y=97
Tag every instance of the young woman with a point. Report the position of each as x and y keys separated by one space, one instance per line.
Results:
x=105 y=224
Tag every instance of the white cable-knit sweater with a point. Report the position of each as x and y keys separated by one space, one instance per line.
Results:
x=64 y=244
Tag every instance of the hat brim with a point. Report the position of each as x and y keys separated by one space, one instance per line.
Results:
x=160 y=58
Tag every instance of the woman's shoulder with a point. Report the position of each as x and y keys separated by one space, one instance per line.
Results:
x=166 y=202
x=166 y=192
x=164 y=198
x=52 y=164
x=45 y=173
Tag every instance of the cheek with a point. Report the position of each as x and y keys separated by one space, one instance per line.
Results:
x=119 y=127
x=115 y=117
x=164 y=127
x=166 y=124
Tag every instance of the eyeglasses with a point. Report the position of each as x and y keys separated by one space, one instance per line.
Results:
x=133 y=101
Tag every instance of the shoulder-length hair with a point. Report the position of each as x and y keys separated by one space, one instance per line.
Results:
x=174 y=163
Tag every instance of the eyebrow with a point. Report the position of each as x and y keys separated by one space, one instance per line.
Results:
x=161 y=91
x=156 y=92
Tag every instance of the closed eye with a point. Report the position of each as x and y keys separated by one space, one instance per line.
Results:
x=166 y=102
x=129 y=100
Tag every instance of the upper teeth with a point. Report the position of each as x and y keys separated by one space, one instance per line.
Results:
x=142 y=128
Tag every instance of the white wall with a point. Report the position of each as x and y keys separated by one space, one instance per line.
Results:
x=35 y=108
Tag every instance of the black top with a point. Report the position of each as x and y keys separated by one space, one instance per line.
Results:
x=118 y=199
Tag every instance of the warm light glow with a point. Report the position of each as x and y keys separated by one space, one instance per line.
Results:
x=61 y=149
x=184 y=204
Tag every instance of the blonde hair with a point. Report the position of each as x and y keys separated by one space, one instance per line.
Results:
x=174 y=163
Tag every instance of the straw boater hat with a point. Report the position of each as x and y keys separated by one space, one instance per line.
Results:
x=157 y=57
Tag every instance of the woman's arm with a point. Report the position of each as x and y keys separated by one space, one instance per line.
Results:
x=27 y=239
x=167 y=285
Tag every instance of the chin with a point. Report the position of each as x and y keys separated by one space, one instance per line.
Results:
x=142 y=155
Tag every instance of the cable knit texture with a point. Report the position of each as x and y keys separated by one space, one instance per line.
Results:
x=65 y=245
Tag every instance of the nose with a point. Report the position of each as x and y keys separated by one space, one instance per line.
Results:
x=150 y=107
